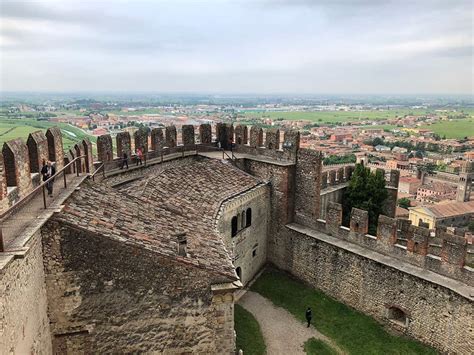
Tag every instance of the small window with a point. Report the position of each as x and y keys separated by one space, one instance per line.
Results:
x=249 y=217
x=182 y=244
x=242 y=220
x=397 y=315
x=254 y=253
x=234 y=226
x=238 y=271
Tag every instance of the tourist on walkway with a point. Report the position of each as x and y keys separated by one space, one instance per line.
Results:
x=124 y=160
x=48 y=171
x=309 y=315
x=139 y=156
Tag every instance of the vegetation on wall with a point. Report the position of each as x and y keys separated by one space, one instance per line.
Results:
x=404 y=202
x=340 y=159
x=366 y=191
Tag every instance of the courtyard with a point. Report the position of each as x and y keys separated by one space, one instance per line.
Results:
x=270 y=318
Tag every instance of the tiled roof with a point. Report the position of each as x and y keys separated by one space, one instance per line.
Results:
x=153 y=210
x=452 y=209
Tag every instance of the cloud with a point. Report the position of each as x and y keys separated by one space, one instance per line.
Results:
x=302 y=45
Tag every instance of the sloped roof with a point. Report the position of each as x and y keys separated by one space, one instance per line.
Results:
x=153 y=210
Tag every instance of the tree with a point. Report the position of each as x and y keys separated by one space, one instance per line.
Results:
x=470 y=226
x=366 y=191
x=404 y=202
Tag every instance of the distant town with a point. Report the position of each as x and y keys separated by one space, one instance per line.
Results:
x=428 y=140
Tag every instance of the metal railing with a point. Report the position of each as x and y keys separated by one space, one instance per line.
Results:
x=42 y=187
x=101 y=167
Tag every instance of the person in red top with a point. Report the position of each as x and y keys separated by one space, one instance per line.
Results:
x=139 y=156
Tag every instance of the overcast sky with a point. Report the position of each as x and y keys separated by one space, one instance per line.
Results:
x=239 y=46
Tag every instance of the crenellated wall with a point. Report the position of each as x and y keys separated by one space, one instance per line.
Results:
x=21 y=163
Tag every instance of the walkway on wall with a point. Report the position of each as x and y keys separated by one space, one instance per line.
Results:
x=27 y=218
x=283 y=333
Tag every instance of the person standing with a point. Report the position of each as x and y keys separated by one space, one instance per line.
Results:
x=309 y=316
x=48 y=171
x=139 y=156
x=124 y=160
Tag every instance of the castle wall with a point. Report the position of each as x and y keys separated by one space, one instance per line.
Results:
x=24 y=324
x=108 y=296
x=331 y=194
x=280 y=178
x=249 y=245
x=373 y=283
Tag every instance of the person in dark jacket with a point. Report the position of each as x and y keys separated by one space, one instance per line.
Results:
x=124 y=160
x=48 y=170
x=309 y=316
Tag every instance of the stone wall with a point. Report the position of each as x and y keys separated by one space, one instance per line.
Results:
x=280 y=177
x=308 y=186
x=188 y=135
x=55 y=146
x=104 y=299
x=170 y=137
x=105 y=150
x=37 y=150
x=249 y=245
x=437 y=313
x=24 y=324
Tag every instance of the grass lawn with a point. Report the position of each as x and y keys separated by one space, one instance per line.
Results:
x=336 y=116
x=350 y=329
x=21 y=128
x=249 y=336
x=453 y=129
x=318 y=347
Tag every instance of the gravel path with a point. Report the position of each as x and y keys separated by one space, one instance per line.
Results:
x=283 y=333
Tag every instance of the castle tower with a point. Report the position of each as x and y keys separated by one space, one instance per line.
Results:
x=464 y=187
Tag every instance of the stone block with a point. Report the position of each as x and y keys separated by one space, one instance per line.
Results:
x=387 y=230
x=272 y=139
x=348 y=170
x=89 y=159
x=256 y=136
x=105 y=148
x=205 y=133
x=340 y=175
x=37 y=150
x=188 y=135
x=124 y=144
x=394 y=178
x=359 y=221
x=291 y=140
x=157 y=139
x=418 y=240
x=454 y=249
x=333 y=218
x=17 y=165
x=3 y=182
x=55 y=146
x=140 y=138
x=224 y=134
x=170 y=136
x=332 y=177
x=81 y=162
x=241 y=134
x=324 y=179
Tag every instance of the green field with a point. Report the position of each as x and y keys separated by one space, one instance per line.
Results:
x=337 y=116
x=249 y=335
x=21 y=128
x=453 y=129
x=351 y=330
x=318 y=347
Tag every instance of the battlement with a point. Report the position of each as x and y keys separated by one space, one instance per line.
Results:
x=444 y=253
x=21 y=163
x=163 y=141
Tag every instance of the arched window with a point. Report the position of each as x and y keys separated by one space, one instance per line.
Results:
x=242 y=220
x=234 y=226
x=248 y=217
